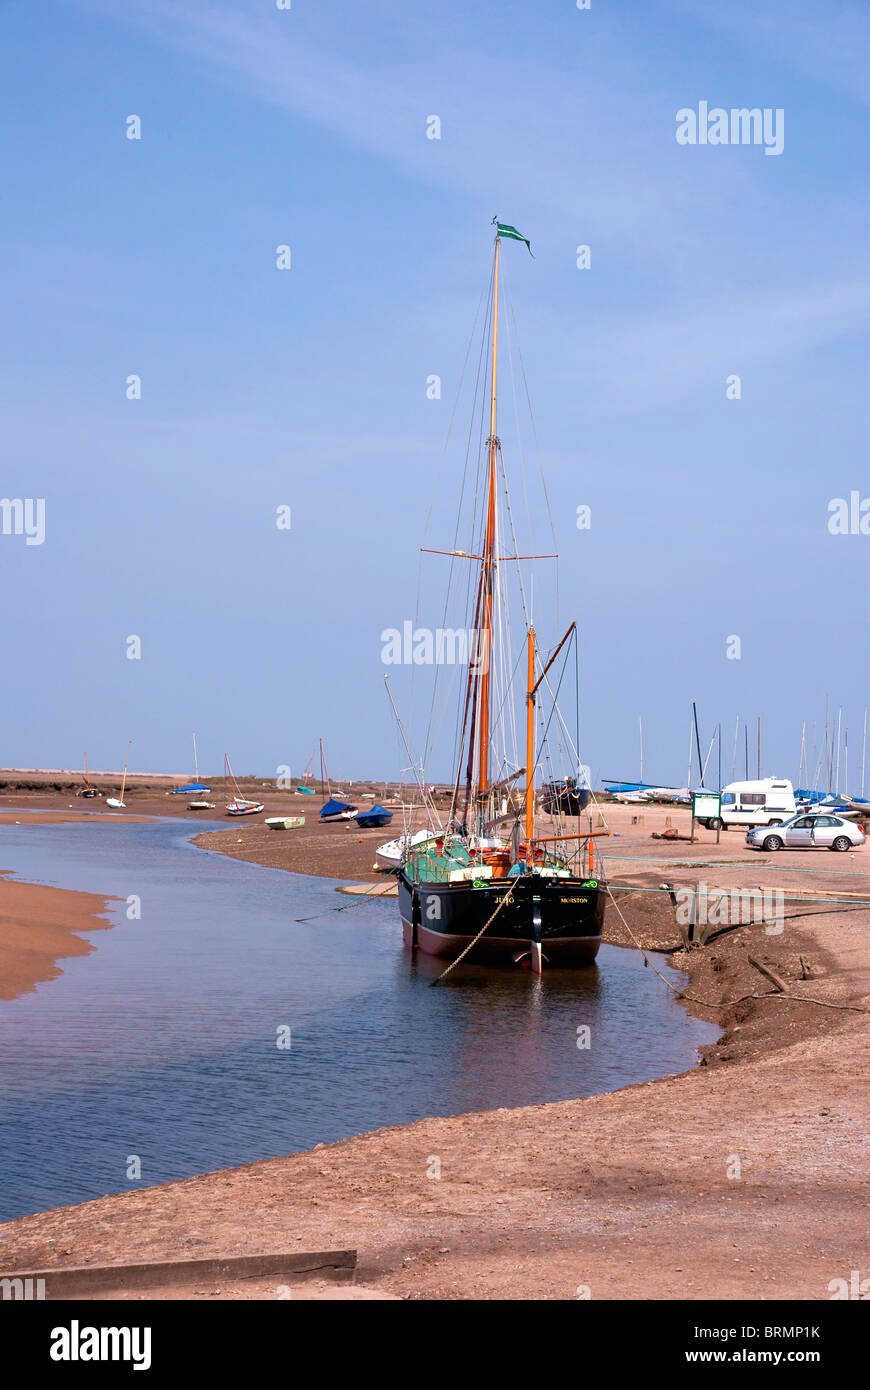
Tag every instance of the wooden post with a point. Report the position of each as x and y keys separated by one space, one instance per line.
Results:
x=768 y=974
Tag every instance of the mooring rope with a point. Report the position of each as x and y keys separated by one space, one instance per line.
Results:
x=646 y=959
x=505 y=900
x=356 y=902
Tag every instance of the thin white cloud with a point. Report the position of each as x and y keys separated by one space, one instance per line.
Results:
x=610 y=178
x=559 y=140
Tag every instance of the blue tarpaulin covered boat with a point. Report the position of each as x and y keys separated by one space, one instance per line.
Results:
x=375 y=816
x=337 y=810
x=191 y=787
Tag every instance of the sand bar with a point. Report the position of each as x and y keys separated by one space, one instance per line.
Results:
x=38 y=927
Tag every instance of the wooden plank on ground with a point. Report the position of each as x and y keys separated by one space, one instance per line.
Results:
x=290 y=1267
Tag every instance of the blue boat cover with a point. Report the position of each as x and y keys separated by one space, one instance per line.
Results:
x=333 y=807
x=194 y=787
x=375 y=815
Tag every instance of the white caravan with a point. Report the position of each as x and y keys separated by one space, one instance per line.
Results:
x=769 y=801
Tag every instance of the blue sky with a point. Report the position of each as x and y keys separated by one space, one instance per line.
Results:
x=308 y=387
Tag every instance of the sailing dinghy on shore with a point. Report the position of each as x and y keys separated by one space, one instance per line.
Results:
x=194 y=788
x=240 y=805
x=116 y=803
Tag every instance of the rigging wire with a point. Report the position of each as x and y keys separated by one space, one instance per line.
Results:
x=535 y=438
x=457 y=399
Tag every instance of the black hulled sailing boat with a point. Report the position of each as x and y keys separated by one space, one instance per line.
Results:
x=529 y=896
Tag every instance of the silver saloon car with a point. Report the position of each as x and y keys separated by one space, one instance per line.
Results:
x=808 y=832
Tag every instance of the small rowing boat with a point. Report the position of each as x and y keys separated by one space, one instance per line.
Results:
x=285 y=822
x=390 y=855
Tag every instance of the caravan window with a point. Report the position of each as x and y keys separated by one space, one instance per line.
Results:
x=752 y=798
x=727 y=798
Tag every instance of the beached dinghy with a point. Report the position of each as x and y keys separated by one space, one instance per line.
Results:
x=337 y=810
x=374 y=817
x=195 y=786
x=303 y=787
x=240 y=805
x=88 y=789
x=334 y=808
x=119 y=804
x=285 y=822
x=200 y=805
x=390 y=855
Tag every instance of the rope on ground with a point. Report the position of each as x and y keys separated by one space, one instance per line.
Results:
x=727 y=1003
x=453 y=964
x=793 y=998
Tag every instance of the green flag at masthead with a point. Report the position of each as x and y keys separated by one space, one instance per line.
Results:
x=511 y=233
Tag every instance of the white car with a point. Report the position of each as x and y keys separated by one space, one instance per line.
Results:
x=807 y=832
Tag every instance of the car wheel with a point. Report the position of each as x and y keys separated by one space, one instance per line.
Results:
x=841 y=843
x=771 y=843
x=774 y=822
x=714 y=823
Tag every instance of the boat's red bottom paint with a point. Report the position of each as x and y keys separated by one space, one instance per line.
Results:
x=557 y=951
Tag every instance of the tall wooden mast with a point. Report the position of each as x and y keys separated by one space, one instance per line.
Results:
x=484 y=649
x=530 y=752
